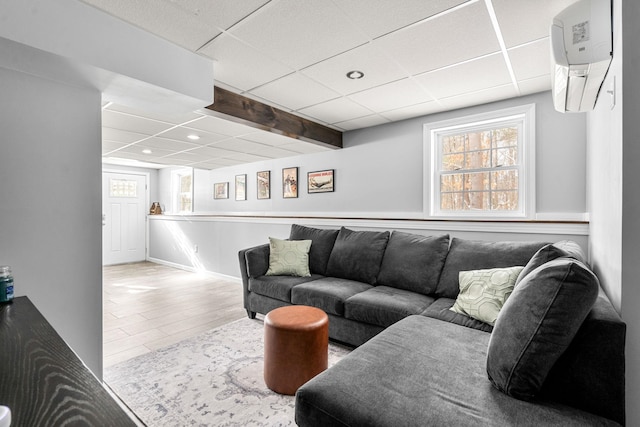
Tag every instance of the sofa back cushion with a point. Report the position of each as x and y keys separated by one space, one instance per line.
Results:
x=537 y=324
x=413 y=262
x=357 y=255
x=478 y=255
x=322 y=242
x=564 y=248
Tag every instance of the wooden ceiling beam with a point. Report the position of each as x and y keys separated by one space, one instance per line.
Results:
x=238 y=108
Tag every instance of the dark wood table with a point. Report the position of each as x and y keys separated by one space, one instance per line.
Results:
x=42 y=381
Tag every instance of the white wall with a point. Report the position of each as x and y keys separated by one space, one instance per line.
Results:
x=50 y=204
x=380 y=170
x=613 y=192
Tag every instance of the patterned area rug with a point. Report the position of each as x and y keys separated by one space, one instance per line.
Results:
x=214 y=379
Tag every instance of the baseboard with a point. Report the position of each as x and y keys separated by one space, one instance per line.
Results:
x=194 y=270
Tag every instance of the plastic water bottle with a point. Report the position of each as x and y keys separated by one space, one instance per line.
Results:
x=6 y=284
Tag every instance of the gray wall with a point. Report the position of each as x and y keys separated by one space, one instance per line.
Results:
x=50 y=205
x=380 y=170
x=613 y=192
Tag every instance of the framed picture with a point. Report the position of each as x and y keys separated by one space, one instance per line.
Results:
x=290 y=183
x=264 y=184
x=320 y=181
x=221 y=190
x=241 y=187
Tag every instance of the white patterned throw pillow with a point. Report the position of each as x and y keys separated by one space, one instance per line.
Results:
x=289 y=257
x=484 y=292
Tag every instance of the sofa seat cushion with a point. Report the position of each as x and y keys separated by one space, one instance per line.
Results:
x=422 y=372
x=278 y=287
x=384 y=306
x=441 y=310
x=467 y=255
x=357 y=255
x=413 y=262
x=328 y=293
x=321 y=246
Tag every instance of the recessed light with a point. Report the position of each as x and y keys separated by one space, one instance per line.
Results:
x=193 y=137
x=146 y=151
x=355 y=75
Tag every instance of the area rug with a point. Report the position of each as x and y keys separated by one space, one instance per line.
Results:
x=213 y=379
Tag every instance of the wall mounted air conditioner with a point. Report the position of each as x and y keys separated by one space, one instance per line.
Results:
x=581 y=51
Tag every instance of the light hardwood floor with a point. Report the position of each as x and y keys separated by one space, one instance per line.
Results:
x=148 y=306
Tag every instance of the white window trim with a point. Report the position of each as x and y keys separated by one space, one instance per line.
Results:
x=431 y=188
x=175 y=189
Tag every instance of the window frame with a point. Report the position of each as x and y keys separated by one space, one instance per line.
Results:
x=176 y=176
x=524 y=116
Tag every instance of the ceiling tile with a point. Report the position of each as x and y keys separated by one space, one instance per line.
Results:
x=336 y=110
x=378 y=68
x=163 y=18
x=300 y=33
x=237 y=64
x=535 y=85
x=181 y=133
x=524 y=21
x=363 y=122
x=394 y=95
x=268 y=138
x=531 y=60
x=488 y=71
x=217 y=125
x=274 y=152
x=304 y=148
x=173 y=119
x=109 y=146
x=238 y=145
x=166 y=144
x=413 y=111
x=286 y=91
x=119 y=135
x=140 y=155
x=113 y=119
x=245 y=157
x=480 y=97
x=184 y=156
x=461 y=35
x=366 y=13
x=211 y=152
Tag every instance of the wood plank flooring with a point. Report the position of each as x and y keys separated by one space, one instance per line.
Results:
x=148 y=306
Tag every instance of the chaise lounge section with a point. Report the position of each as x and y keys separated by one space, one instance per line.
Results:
x=553 y=356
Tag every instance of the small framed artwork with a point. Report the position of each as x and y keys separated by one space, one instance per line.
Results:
x=320 y=181
x=221 y=190
x=290 y=183
x=264 y=184
x=241 y=187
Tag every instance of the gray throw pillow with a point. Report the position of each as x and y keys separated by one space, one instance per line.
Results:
x=413 y=262
x=322 y=242
x=288 y=257
x=357 y=255
x=564 y=248
x=537 y=324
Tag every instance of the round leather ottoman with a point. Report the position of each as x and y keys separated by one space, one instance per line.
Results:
x=296 y=347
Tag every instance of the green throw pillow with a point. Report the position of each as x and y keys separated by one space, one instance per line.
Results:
x=484 y=292
x=289 y=257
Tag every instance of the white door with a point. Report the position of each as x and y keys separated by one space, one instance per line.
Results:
x=124 y=206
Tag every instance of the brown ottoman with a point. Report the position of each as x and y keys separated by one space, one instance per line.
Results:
x=296 y=346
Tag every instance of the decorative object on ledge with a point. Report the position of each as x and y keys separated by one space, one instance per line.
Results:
x=221 y=190
x=264 y=184
x=241 y=187
x=155 y=209
x=320 y=181
x=290 y=183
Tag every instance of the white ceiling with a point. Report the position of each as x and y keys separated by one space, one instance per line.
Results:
x=418 y=56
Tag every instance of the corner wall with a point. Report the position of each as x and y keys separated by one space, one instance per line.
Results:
x=50 y=204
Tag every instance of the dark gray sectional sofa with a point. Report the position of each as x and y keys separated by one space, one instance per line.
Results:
x=555 y=356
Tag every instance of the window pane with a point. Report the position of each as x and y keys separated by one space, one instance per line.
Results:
x=476 y=181
x=504 y=180
x=505 y=137
x=504 y=200
x=478 y=160
x=477 y=200
x=123 y=188
x=452 y=201
x=185 y=183
x=452 y=162
x=453 y=144
x=452 y=182
x=505 y=157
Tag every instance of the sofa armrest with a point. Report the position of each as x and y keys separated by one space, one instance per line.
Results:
x=590 y=375
x=257 y=260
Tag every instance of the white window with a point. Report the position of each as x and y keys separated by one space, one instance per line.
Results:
x=182 y=185
x=481 y=166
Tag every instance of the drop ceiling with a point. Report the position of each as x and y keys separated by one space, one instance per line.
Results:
x=418 y=57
